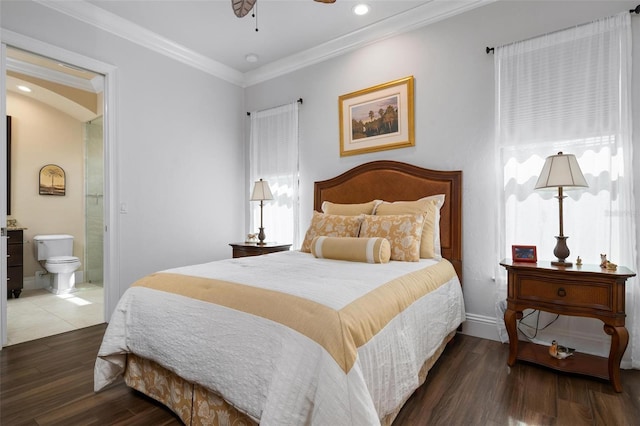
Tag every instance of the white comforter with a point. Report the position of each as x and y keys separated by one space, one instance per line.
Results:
x=283 y=377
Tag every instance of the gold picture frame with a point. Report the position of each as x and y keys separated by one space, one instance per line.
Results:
x=378 y=118
x=52 y=180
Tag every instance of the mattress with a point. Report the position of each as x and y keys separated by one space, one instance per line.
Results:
x=288 y=338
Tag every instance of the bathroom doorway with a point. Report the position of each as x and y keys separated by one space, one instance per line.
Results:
x=96 y=192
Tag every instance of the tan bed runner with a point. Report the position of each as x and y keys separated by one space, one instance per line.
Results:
x=340 y=332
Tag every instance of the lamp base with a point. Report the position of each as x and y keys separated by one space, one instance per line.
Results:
x=261 y=236
x=561 y=251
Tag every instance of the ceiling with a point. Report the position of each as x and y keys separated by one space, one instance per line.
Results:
x=206 y=34
x=210 y=28
x=69 y=89
x=291 y=33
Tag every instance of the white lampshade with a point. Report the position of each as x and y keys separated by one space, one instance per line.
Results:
x=261 y=191
x=561 y=170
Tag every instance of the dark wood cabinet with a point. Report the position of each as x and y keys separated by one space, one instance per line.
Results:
x=15 y=257
x=584 y=291
x=256 y=249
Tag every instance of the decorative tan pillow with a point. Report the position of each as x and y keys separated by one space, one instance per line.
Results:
x=331 y=225
x=369 y=250
x=403 y=232
x=349 y=209
x=430 y=247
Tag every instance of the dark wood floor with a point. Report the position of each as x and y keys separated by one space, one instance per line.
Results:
x=50 y=382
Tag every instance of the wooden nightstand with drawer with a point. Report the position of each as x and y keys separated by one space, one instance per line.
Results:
x=586 y=291
x=256 y=249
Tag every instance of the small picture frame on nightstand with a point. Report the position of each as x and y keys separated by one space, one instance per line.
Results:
x=524 y=253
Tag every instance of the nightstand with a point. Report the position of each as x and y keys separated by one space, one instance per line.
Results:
x=584 y=291
x=255 y=249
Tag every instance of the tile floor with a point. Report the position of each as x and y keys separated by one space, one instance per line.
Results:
x=39 y=313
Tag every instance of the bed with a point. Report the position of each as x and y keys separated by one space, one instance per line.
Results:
x=302 y=337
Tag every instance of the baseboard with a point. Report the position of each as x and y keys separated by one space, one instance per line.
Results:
x=37 y=281
x=587 y=342
x=29 y=283
x=480 y=326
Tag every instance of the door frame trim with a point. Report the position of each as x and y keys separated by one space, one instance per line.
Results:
x=111 y=218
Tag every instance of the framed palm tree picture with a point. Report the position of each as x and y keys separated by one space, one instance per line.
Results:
x=377 y=118
x=52 y=180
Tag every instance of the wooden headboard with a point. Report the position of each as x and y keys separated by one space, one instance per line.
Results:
x=396 y=181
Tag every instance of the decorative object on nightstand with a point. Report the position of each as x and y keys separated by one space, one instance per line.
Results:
x=578 y=261
x=559 y=352
x=603 y=260
x=261 y=192
x=561 y=171
x=524 y=253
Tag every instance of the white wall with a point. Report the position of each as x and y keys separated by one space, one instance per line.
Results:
x=179 y=165
x=454 y=109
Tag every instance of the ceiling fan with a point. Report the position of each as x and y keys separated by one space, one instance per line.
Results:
x=242 y=7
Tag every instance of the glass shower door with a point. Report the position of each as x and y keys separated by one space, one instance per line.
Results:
x=94 y=203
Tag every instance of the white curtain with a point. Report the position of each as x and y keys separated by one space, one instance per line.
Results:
x=274 y=158
x=569 y=91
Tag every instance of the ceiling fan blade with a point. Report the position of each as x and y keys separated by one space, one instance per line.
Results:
x=326 y=1
x=242 y=7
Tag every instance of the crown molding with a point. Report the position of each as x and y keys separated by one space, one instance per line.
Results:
x=112 y=23
x=417 y=17
x=409 y=20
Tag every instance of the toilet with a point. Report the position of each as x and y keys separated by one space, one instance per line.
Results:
x=56 y=253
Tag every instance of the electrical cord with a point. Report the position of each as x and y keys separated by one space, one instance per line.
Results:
x=537 y=326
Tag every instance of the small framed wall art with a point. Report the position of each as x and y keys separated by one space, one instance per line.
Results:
x=52 y=180
x=377 y=118
x=524 y=253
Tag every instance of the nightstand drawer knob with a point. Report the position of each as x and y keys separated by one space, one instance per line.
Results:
x=562 y=292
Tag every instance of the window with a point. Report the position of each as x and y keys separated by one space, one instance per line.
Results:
x=568 y=91
x=274 y=158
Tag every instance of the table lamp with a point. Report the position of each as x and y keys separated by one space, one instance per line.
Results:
x=561 y=171
x=261 y=192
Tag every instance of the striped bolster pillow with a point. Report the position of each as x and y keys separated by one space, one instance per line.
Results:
x=370 y=250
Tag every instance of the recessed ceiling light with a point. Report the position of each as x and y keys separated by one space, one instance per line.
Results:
x=251 y=57
x=361 y=9
x=24 y=88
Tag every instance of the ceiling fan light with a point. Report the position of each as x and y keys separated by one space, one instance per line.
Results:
x=361 y=9
x=24 y=88
x=251 y=57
